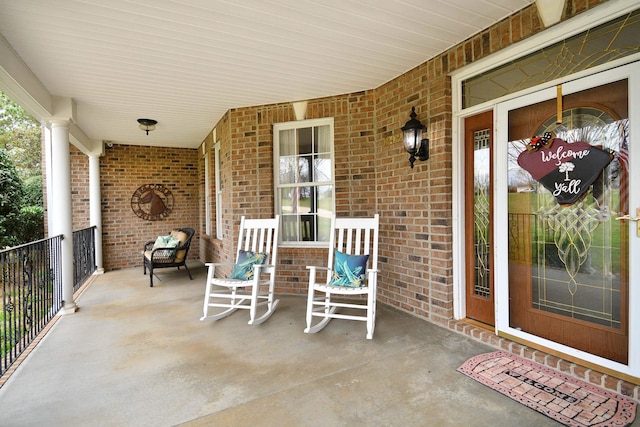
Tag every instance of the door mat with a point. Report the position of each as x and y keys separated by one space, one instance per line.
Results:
x=567 y=400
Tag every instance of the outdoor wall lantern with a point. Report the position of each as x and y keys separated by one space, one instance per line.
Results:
x=412 y=137
x=147 y=124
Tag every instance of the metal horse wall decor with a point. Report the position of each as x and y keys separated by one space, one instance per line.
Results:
x=152 y=202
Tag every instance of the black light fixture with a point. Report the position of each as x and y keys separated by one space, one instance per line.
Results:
x=412 y=138
x=147 y=124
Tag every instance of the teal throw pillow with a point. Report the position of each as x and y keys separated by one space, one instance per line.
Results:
x=166 y=242
x=349 y=270
x=243 y=270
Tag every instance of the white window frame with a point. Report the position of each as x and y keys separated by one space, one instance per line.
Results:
x=216 y=151
x=207 y=194
x=301 y=124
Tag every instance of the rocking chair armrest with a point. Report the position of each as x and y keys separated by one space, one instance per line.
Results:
x=315 y=267
x=217 y=264
x=262 y=268
x=312 y=272
x=211 y=267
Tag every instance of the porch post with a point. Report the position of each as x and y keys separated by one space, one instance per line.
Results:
x=95 y=208
x=61 y=211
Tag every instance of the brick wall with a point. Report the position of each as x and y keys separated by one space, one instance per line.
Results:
x=123 y=169
x=246 y=152
x=80 y=203
x=372 y=171
x=416 y=204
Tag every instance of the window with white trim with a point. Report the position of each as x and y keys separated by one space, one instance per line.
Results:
x=304 y=180
x=216 y=151
x=207 y=192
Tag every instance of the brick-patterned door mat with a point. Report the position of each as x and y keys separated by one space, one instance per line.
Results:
x=567 y=400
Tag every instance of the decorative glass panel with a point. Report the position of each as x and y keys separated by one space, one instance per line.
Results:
x=605 y=43
x=481 y=213
x=575 y=251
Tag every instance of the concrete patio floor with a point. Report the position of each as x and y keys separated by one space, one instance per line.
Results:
x=139 y=356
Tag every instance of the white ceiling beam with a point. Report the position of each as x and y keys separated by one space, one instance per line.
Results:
x=21 y=85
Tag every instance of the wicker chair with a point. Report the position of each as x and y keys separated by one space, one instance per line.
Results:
x=159 y=257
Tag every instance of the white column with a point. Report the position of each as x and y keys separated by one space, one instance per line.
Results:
x=95 y=207
x=49 y=162
x=60 y=204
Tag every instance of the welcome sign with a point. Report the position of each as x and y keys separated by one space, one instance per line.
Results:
x=565 y=169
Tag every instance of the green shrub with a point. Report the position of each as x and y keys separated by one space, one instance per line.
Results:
x=11 y=193
x=31 y=224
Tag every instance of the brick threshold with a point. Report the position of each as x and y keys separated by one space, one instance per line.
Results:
x=487 y=336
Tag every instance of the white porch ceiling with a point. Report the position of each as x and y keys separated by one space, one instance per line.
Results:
x=186 y=62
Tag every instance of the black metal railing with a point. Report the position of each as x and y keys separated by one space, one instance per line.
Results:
x=31 y=288
x=84 y=256
x=31 y=294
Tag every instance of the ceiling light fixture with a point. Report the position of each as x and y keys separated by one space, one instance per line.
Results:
x=147 y=124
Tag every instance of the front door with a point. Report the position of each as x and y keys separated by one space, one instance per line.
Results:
x=569 y=251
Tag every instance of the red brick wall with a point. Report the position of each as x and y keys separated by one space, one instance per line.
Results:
x=372 y=171
x=80 y=203
x=414 y=204
x=123 y=169
x=246 y=152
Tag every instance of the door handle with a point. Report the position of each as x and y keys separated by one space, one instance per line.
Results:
x=627 y=217
x=635 y=219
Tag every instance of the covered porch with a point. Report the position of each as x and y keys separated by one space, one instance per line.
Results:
x=134 y=355
x=139 y=356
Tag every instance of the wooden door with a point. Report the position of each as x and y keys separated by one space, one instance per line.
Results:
x=478 y=214
x=569 y=264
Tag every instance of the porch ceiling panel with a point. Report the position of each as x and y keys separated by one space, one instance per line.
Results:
x=186 y=62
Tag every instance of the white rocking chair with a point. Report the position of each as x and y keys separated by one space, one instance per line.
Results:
x=257 y=240
x=352 y=236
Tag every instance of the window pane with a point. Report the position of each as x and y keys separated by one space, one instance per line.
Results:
x=322 y=168
x=287 y=142
x=303 y=169
x=305 y=141
x=286 y=202
x=288 y=170
x=305 y=197
x=324 y=229
x=325 y=200
x=323 y=139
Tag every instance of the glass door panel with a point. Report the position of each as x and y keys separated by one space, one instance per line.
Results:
x=569 y=261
